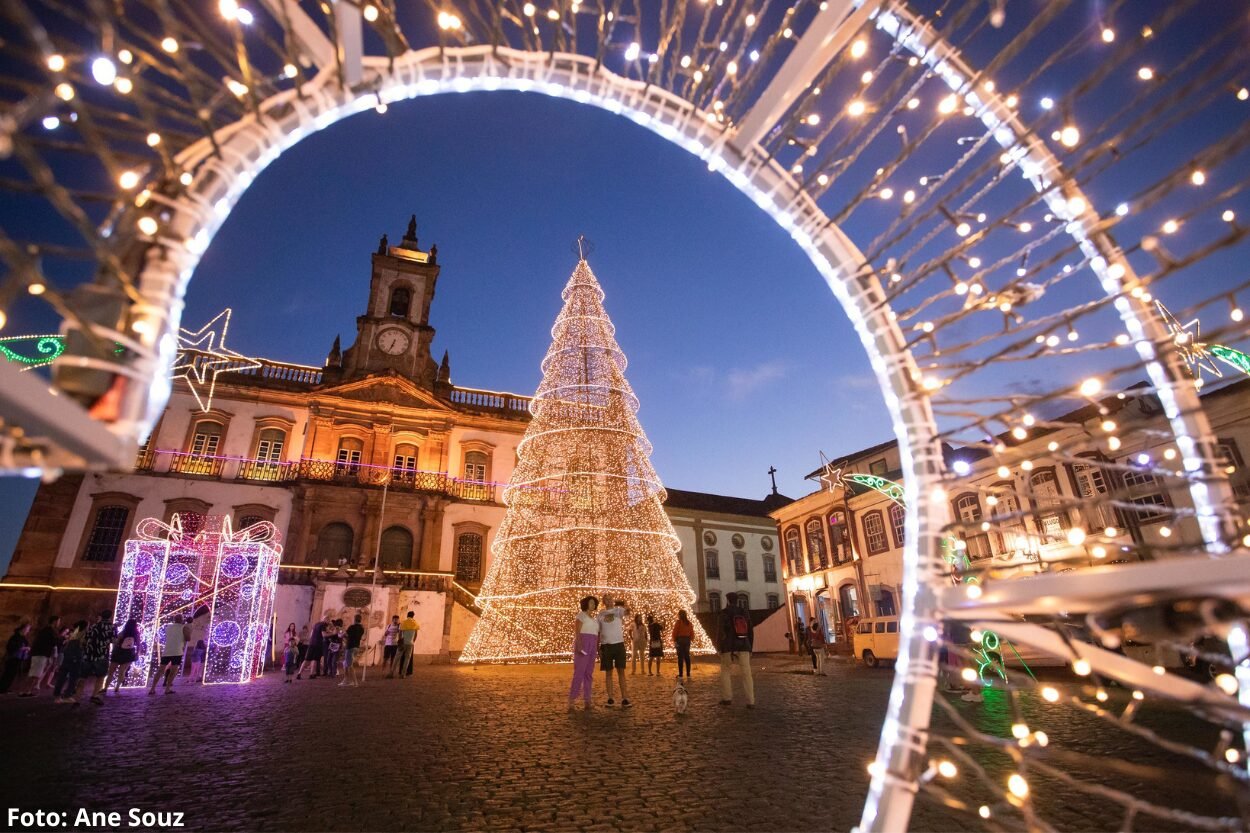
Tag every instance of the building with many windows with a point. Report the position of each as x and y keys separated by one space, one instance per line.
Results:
x=374 y=459
x=1108 y=504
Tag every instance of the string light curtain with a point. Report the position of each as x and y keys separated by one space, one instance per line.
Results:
x=585 y=507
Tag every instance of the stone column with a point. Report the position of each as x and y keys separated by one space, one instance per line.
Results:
x=432 y=534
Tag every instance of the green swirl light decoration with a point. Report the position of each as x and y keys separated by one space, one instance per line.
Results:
x=48 y=347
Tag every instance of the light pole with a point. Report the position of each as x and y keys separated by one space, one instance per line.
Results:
x=377 y=565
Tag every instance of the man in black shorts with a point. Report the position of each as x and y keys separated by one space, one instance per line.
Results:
x=612 y=647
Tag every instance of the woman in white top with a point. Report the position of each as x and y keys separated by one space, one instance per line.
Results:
x=585 y=647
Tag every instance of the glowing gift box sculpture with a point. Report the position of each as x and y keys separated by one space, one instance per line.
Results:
x=198 y=562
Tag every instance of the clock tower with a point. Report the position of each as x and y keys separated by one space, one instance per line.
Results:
x=395 y=332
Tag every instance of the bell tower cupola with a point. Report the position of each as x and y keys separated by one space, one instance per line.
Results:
x=394 y=333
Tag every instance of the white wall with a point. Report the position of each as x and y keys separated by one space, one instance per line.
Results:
x=222 y=496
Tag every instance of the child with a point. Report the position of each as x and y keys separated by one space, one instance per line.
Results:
x=290 y=659
x=656 y=653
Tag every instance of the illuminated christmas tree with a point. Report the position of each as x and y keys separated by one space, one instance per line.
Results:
x=585 y=507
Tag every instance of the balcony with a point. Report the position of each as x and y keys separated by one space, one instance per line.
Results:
x=504 y=404
x=279 y=374
x=267 y=471
x=323 y=471
x=195 y=465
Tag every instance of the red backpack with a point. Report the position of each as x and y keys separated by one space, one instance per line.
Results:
x=739 y=627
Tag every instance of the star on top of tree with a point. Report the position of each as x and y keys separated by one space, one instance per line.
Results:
x=1185 y=337
x=202 y=355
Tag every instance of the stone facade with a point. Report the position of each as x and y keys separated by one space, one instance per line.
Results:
x=843 y=547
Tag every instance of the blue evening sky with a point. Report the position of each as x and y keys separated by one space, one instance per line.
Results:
x=738 y=351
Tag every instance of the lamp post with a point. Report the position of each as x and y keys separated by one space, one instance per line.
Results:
x=377 y=563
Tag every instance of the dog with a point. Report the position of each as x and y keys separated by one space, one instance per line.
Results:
x=680 y=699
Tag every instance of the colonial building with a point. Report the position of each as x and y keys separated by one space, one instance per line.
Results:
x=377 y=469
x=843 y=544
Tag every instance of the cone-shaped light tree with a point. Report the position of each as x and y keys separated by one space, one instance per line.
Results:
x=585 y=510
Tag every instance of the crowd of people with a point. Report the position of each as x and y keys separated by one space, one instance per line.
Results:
x=331 y=651
x=86 y=659
x=600 y=631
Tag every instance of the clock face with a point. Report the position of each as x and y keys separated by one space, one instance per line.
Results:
x=393 y=342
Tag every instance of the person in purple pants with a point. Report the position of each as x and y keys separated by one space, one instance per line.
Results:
x=585 y=649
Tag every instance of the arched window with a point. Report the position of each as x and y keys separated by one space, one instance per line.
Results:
x=885 y=603
x=1091 y=487
x=848 y=596
x=350 y=451
x=468 y=556
x=266 y=464
x=401 y=301
x=1005 y=504
x=770 y=569
x=874 y=532
x=711 y=559
x=334 y=544
x=405 y=462
x=713 y=602
x=774 y=601
x=898 y=516
x=475 y=466
x=202 y=455
x=191 y=513
x=968 y=511
x=743 y=600
x=1051 y=521
x=839 y=537
x=106 y=533
x=248 y=520
x=816 y=545
x=205 y=438
x=740 y=566
x=794 y=551
x=396 y=551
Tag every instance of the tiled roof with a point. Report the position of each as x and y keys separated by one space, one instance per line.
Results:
x=704 y=502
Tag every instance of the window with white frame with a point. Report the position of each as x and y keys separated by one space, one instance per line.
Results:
x=898 y=516
x=794 y=551
x=968 y=510
x=350 y=451
x=770 y=569
x=711 y=560
x=774 y=601
x=874 y=532
x=816 y=552
x=740 y=566
x=206 y=439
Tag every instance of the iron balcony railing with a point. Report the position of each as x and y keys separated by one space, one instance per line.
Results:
x=325 y=471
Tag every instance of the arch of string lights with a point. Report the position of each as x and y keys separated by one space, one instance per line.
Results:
x=1021 y=189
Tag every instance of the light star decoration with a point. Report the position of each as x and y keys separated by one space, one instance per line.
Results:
x=203 y=355
x=832 y=477
x=1191 y=350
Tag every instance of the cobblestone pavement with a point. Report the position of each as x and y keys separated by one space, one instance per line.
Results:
x=458 y=748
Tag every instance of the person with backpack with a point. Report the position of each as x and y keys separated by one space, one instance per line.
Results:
x=734 y=639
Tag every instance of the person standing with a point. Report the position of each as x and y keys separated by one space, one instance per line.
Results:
x=390 y=642
x=407 y=640
x=42 y=654
x=290 y=659
x=655 y=644
x=334 y=649
x=124 y=653
x=16 y=651
x=95 y=655
x=301 y=645
x=612 y=647
x=175 y=635
x=638 y=640
x=816 y=645
x=197 y=645
x=316 y=647
x=683 y=636
x=58 y=650
x=355 y=634
x=585 y=646
x=71 y=665
x=733 y=642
